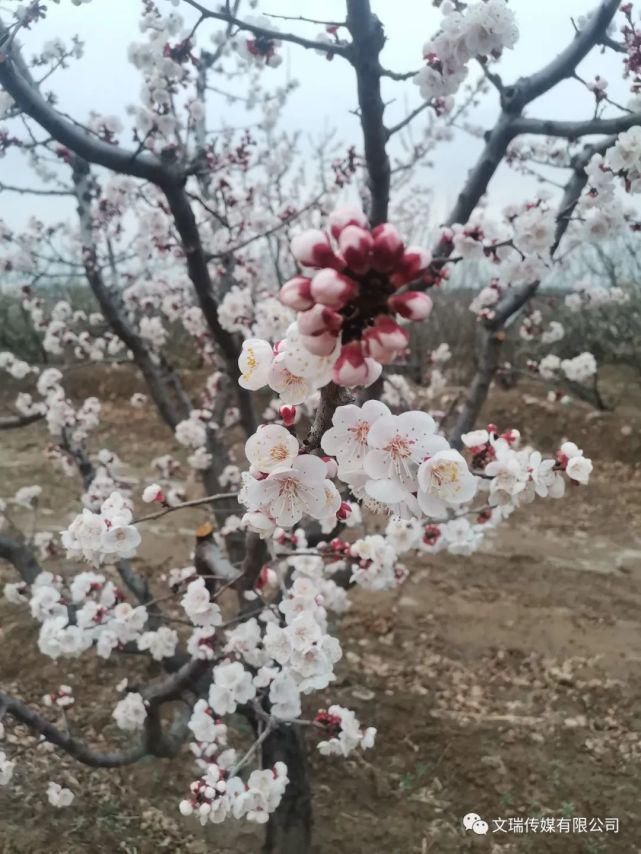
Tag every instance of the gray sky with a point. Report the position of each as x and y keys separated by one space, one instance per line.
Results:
x=104 y=81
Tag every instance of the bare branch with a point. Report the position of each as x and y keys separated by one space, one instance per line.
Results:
x=576 y=129
x=147 y=166
x=11 y=422
x=410 y=117
x=208 y=499
x=368 y=41
x=619 y=47
x=398 y=75
x=18 y=553
x=171 y=411
x=73 y=746
x=526 y=89
x=33 y=191
x=271 y=35
x=283 y=224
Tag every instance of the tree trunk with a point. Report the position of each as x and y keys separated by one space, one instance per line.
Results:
x=290 y=827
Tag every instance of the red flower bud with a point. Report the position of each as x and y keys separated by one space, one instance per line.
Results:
x=412 y=305
x=332 y=467
x=312 y=249
x=385 y=340
x=296 y=293
x=342 y=217
x=412 y=265
x=332 y=289
x=350 y=368
x=356 y=244
x=288 y=415
x=388 y=248
x=322 y=344
x=319 y=319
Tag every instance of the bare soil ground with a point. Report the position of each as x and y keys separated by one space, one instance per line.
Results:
x=507 y=683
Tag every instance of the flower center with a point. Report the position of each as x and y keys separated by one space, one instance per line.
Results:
x=399 y=448
x=279 y=453
x=360 y=431
x=291 y=379
x=445 y=474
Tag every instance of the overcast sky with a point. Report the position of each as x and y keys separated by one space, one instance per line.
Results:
x=104 y=81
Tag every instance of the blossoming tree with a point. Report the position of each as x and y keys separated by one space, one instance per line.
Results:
x=214 y=236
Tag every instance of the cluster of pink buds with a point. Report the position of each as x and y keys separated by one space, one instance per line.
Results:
x=203 y=794
x=286 y=538
x=356 y=297
x=63 y=698
x=340 y=547
x=332 y=723
x=632 y=41
x=484 y=453
x=431 y=535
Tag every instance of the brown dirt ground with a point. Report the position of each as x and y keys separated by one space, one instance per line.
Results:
x=507 y=683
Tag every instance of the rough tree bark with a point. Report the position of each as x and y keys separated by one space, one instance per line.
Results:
x=290 y=828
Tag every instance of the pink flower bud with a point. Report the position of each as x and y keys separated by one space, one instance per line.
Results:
x=332 y=289
x=344 y=511
x=154 y=493
x=288 y=415
x=318 y=319
x=356 y=244
x=296 y=293
x=385 y=340
x=332 y=467
x=374 y=370
x=388 y=248
x=312 y=249
x=323 y=344
x=266 y=578
x=342 y=217
x=412 y=305
x=350 y=368
x=413 y=264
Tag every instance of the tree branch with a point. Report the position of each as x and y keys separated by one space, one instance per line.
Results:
x=73 y=746
x=576 y=129
x=368 y=41
x=410 y=117
x=526 y=89
x=172 y=412
x=149 y=168
x=494 y=330
x=11 y=422
x=270 y=35
x=18 y=553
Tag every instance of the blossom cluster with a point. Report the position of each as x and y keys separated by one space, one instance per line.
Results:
x=480 y=30
x=104 y=536
x=282 y=485
x=349 y=302
x=397 y=461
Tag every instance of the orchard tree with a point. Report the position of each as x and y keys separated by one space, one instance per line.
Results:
x=297 y=282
